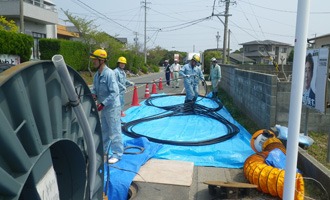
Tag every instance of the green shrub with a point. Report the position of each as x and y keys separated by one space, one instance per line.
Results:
x=74 y=53
x=134 y=70
x=155 y=68
x=144 y=69
x=16 y=44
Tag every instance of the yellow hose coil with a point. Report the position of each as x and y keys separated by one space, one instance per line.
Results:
x=268 y=178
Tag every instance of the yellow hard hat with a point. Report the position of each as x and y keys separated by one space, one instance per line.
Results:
x=99 y=54
x=122 y=60
x=195 y=58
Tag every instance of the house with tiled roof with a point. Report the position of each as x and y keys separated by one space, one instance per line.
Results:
x=261 y=51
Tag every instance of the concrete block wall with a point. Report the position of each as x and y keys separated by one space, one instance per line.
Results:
x=254 y=93
x=317 y=122
x=265 y=100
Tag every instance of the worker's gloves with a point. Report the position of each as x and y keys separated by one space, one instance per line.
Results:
x=187 y=76
x=100 y=106
x=132 y=83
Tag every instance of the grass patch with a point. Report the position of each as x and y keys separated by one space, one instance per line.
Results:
x=319 y=148
x=236 y=113
x=86 y=76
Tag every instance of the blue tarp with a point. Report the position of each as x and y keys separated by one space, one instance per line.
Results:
x=120 y=180
x=230 y=154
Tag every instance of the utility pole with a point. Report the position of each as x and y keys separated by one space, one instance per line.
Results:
x=145 y=32
x=136 y=42
x=225 y=33
x=218 y=37
x=229 y=45
x=21 y=13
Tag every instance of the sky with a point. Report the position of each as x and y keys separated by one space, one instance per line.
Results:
x=187 y=25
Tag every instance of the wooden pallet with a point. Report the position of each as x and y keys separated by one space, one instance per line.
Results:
x=229 y=190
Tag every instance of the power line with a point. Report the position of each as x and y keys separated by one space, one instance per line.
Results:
x=286 y=11
x=257 y=20
x=247 y=20
x=105 y=16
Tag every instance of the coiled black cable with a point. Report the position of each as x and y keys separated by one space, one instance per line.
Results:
x=182 y=110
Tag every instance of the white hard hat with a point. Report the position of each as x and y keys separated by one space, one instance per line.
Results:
x=166 y=60
x=213 y=59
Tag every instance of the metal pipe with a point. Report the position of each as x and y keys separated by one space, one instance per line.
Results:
x=296 y=98
x=82 y=119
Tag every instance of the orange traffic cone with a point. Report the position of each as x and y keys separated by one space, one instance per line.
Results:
x=154 y=88
x=123 y=114
x=147 y=94
x=135 y=101
x=160 y=84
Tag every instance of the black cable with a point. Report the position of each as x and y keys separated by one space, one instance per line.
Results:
x=185 y=109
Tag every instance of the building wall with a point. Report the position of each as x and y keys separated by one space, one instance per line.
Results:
x=265 y=99
x=321 y=41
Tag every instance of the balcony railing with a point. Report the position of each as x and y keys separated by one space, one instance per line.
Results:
x=37 y=3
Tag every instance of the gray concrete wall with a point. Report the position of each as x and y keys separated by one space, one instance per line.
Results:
x=265 y=99
x=317 y=122
x=254 y=93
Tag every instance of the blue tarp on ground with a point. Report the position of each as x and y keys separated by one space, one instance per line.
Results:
x=230 y=154
x=122 y=172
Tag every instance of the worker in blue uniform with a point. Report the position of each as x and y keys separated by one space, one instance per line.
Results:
x=215 y=77
x=123 y=83
x=106 y=91
x=192 y=74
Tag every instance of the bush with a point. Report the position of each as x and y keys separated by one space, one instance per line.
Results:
x=155 y=68
x=144 y=69
x=74 y=53
x=135 y=70
x=16 y=44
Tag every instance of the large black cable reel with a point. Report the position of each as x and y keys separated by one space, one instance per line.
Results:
x=40 y=134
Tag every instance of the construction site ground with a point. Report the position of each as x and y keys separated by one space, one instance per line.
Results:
x=142 y=190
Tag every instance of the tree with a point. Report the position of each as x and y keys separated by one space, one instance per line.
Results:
x=290 y=58
x=207 y=59
x=156 y=55
x=87 y=31
x=7 y=25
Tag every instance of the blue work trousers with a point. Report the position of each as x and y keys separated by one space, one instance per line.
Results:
x=111 y=131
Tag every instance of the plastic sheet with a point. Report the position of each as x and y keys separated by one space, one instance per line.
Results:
x=283 y=134
x=231 y=153
x=120 y=180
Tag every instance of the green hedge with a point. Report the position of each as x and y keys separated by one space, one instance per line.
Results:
x=74 y=53
x=155 y=68
x=16 y=44
x=144 y=69
x=135 y=70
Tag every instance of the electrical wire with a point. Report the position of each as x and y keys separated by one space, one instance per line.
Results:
x=190 y=108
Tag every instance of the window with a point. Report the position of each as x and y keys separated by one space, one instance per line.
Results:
x=283 y=50
x=37 y=37
x=261 y=48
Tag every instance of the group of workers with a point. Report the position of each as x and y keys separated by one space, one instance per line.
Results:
x=192 y=74
x=109 y=87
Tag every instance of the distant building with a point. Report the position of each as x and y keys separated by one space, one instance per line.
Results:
x=260 y=51
x=40 y=19
x=319 y=42
x=64 y=33
x=238 y=58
